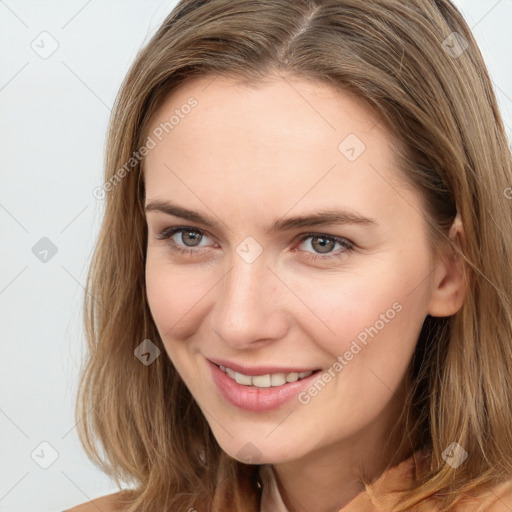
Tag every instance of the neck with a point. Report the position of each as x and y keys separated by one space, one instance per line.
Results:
x=329 y=478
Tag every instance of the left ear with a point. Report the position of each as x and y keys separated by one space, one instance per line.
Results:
x=449 y=283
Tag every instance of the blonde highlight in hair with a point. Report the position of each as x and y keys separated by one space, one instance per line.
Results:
x=452 y=145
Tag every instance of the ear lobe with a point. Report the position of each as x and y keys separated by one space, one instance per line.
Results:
x=449 y=284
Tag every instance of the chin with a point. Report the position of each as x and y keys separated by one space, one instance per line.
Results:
x=254 y=452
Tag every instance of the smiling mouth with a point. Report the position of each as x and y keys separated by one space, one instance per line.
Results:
x=265 y=381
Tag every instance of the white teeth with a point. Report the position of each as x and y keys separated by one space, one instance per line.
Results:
x=278 y=379
x=242 y=379
x=261 y=381
x=292 y=377
x=264 y=381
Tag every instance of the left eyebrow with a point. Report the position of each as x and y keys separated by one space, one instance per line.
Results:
x=322 y=217
x=319 y=218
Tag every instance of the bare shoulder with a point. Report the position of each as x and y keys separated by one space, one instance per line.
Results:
x=108 y=503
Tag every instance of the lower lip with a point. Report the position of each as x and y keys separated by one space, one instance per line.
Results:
x=256 y=399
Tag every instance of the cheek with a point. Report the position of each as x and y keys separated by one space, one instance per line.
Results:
x=381 y=306
x=376 y=322
x=174 y=296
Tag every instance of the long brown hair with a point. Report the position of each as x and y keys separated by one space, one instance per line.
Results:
x=409 y=62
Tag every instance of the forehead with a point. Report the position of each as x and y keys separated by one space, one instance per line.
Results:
x=278 y=107
x=280 y=142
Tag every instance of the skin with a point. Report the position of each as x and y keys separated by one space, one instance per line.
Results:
x=247 y=157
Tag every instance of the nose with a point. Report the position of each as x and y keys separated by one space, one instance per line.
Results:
x=250 y=304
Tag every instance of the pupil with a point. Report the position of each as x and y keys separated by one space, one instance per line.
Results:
x=323 y=244
x=195 y=236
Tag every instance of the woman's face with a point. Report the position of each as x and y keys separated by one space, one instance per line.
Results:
x=266 y=289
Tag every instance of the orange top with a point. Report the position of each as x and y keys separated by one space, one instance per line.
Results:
x=397 y=478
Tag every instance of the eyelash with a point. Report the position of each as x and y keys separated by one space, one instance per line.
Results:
x=347 y=245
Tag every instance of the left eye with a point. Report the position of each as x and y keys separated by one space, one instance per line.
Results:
x=319 y=241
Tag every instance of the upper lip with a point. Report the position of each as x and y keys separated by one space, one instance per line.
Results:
x=260 y=370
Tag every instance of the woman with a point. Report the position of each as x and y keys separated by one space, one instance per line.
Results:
x=301 y=294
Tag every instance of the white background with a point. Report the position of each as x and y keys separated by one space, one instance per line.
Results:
x=54 y=115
